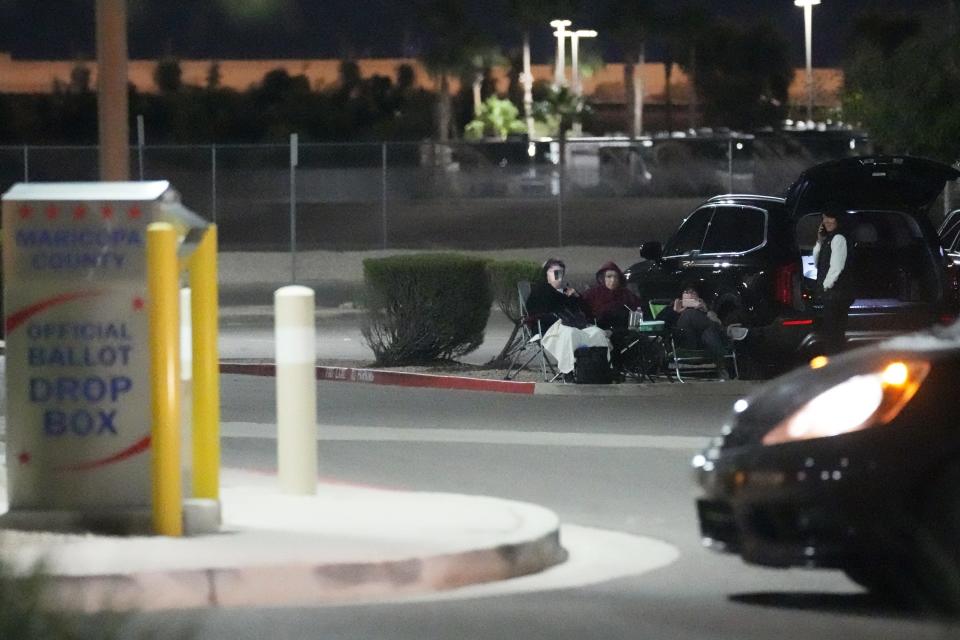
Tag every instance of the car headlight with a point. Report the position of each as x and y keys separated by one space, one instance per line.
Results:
x=857 y=403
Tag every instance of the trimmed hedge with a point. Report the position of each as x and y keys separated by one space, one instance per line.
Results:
x=425 y=307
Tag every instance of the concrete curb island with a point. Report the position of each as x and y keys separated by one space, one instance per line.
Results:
x=345 y=544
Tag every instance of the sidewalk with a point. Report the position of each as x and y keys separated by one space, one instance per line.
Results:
x=346 y=543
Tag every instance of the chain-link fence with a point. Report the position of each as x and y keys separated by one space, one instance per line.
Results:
x=603 y=191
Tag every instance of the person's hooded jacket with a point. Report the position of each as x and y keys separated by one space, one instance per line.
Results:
x=610 y=307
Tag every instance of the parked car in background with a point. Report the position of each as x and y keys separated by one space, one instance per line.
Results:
x=851 y=463
x=753 y=256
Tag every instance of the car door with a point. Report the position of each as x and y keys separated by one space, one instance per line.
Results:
x=663 y=278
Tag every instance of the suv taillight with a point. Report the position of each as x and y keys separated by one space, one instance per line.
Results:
x=783 y=283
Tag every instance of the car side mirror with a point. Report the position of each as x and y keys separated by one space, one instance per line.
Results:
x=651 y=250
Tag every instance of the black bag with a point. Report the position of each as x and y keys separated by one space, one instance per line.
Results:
x=591 y=366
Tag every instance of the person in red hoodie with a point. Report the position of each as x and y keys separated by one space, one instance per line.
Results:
x=610 y=303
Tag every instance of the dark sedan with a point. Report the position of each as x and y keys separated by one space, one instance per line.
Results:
x=851 y=463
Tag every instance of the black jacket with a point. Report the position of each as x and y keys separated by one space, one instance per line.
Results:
x=550 y=305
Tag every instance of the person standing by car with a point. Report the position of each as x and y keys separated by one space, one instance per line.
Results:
x=831 y=256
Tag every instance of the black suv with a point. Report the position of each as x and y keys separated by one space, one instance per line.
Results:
x=752 y=254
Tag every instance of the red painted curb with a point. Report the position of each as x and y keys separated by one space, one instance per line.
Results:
x=395 y=378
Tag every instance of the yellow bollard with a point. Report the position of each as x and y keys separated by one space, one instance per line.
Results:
x=163 y=292
x=206 y=368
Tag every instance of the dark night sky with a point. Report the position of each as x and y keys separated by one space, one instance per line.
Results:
x=58 y=29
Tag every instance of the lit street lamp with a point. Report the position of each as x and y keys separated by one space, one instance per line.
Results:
x=575 y=55
x=808 y=6
x=559 y=73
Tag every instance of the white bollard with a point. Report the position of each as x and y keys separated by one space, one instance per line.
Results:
x=296 y=340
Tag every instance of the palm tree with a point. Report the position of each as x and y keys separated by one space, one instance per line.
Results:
x=685 y=32
x=531 y=14
x=450 y=51
x=564 y=108
x=629 y=23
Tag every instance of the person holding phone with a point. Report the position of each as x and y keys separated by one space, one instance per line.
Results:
x=563 y=316
x=695 y=326
x=552 y=298
x=833 y=281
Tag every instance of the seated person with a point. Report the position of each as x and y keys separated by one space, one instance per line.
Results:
x=559 y=307
x=551 y=299
x=610 y=303
x=696 y=327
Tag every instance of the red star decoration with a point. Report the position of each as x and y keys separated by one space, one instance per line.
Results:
x=79 y=212
x=23 y=457
x=134 y=212
x=52 y=212
x=107 y=212
x=138 y=303
x=25 y=212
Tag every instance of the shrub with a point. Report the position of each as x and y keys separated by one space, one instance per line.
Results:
x=504 y=277
x=25 y=613
x=425 y=307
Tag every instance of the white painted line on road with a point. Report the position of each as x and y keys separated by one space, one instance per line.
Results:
x=477 y=436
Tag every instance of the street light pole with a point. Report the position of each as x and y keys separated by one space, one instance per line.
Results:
x=808 y=6
x=559 y=73
x=575 y=55
x=113 y=128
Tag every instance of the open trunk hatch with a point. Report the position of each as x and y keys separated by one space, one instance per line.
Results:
x=881 y=182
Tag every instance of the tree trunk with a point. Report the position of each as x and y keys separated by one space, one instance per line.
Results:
x=668 y=94
x=443 y=112
x=527 y=86
x=477 y=97
x=633 y=83
x=692 y=106
x=639 y=89
x=629 y=81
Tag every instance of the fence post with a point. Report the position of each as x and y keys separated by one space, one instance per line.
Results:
x=383 y=194
x=730 y=165
x=296 y=349
x=560 y=184
x=293 y=207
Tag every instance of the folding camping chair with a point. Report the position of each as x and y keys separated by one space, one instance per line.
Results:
x=696 y=362
x=529 y=347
